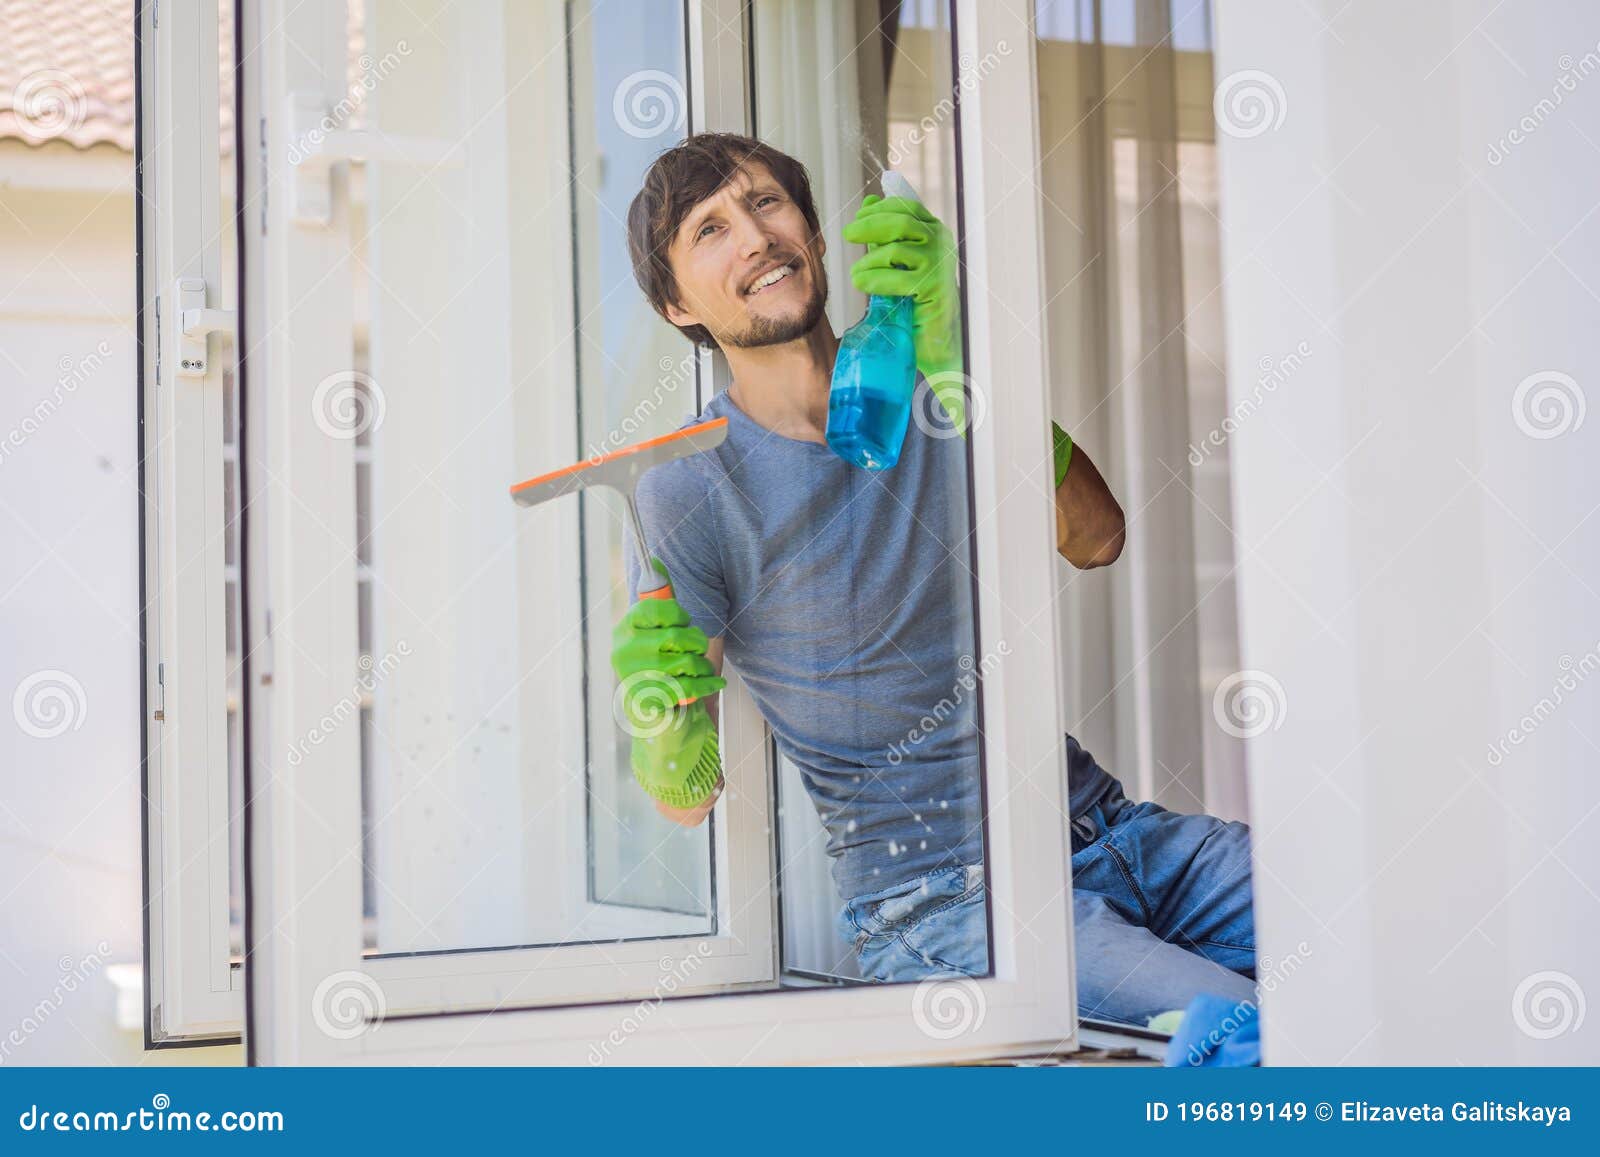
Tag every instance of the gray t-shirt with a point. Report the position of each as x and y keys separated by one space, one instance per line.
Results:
x=845 y=600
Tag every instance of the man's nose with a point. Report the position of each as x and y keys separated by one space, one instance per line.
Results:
x=751 y=235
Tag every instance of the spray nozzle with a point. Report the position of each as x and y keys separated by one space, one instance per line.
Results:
x=895 y=185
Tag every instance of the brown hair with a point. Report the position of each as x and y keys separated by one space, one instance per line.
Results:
x=680 y=179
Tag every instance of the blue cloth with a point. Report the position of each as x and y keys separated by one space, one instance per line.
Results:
x=1162 y=912
x=1216 y=1033
x=844 y=599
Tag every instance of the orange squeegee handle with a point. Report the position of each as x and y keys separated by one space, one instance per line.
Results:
x=664 y=591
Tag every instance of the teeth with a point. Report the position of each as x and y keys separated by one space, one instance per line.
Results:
x=770 y=278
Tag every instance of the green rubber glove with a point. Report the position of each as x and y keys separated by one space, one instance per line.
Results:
x=1061 y=441
x=911 y=254
x=663 y=678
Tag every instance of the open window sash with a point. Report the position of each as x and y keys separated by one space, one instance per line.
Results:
x=193 y=987
x=551 y=1004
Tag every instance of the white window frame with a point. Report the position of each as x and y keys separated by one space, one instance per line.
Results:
x=304 y=880
x=193 y=990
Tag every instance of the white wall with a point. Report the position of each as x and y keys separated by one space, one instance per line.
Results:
x=1417 y=568
x=69 y=597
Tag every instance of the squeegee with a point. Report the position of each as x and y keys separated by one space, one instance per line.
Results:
x=620 y=470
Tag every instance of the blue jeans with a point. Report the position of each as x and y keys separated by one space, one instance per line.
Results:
x=1161 y=912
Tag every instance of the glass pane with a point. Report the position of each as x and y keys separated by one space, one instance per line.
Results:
x=636 y=380
x=494 y=809
x=872 y=690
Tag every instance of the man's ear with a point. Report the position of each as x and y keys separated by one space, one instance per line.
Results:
x=679 y=316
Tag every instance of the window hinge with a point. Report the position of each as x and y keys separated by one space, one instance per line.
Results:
x=263 y=147
x=263 y=653
x=161 y=693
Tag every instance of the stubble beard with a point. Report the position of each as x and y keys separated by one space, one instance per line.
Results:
x=764 y=331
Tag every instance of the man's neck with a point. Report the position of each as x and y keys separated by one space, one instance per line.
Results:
x=785 y=387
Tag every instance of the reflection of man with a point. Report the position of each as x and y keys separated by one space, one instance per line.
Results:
x=845 y=600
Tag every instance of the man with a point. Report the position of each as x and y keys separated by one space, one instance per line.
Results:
x=843 y=598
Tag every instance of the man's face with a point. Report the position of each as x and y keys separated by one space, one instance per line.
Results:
x=747 y=265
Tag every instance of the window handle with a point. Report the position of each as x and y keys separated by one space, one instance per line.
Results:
x=200 y=322
x=195 y=322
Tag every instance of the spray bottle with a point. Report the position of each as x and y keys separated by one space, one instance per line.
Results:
x=875 y=373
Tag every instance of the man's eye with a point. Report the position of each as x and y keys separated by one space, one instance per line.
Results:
x=765 y=199
x=704 y=229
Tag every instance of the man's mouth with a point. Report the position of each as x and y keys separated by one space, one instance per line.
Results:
x=772 y=277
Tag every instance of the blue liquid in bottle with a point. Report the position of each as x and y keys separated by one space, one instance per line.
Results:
x=875 y=373
x=869 y=402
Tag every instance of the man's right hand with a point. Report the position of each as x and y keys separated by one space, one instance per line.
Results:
x=663 y=676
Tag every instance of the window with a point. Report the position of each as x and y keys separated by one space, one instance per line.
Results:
x=437 y=794
x=193 y=618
